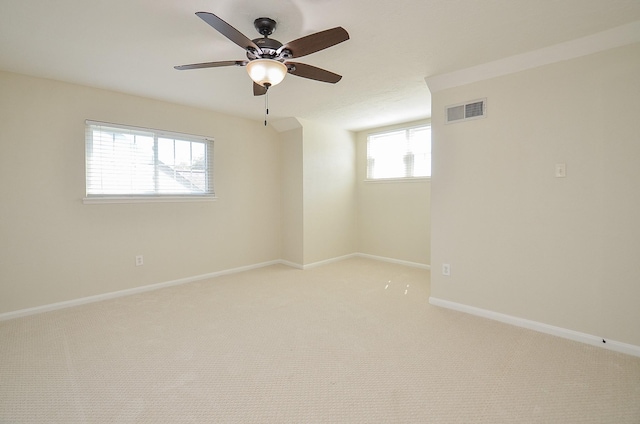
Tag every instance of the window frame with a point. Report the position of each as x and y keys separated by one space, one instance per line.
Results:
x=406 y=130
x=97 y=198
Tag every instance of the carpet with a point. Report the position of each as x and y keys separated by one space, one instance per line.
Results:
x=354 y=341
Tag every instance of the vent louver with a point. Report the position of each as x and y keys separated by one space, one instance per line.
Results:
x=467 y=111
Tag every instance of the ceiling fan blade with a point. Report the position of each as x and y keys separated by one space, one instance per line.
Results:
x=212 y=64
x=316 y=42
x=259 y=90
x=228 y=31
x=307 y=71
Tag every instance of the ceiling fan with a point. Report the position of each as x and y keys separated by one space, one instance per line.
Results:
x=268 y=59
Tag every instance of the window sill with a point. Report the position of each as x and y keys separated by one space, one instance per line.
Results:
x=398 y=180
x=94 y=200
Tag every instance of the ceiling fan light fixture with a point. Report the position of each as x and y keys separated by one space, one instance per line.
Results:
x=266 y=72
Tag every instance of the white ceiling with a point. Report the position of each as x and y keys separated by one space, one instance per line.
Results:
x=131 y=46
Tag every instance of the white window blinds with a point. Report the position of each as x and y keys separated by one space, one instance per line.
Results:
x=130 y=161
x=402 y=153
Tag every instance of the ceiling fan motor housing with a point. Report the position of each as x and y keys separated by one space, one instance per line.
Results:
x=269 y=46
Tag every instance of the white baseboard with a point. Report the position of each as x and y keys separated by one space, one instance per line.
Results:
x=127 y=292
x=394 y=261
x=291 y=264
x=328 y=261
x=565 y=333
x=367 y=256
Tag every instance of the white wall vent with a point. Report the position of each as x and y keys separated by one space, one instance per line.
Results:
x=467 y=111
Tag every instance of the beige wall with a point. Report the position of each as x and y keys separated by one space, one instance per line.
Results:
x=290 y=196
x=54 y=248
x=328 y=192
x=393 y=216
x=292 y=200
x=328 y=209
x=560 y=251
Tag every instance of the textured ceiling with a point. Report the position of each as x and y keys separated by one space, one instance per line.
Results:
x=131 y=46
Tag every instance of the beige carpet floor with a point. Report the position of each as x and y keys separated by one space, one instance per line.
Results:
x=354 y=341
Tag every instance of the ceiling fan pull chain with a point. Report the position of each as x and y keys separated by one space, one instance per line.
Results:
x=266 y=103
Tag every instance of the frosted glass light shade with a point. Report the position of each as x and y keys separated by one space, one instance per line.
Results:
x=266 y=71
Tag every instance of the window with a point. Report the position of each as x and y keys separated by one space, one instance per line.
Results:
x=125 y=162
x=399 y=154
